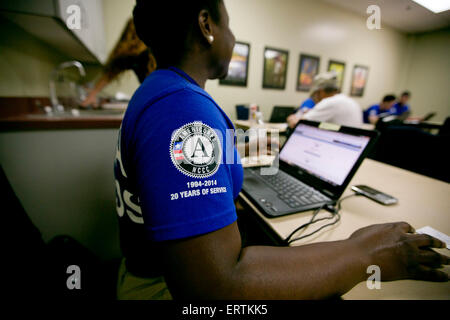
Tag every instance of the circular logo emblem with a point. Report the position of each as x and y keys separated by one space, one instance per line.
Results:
x=195 y=150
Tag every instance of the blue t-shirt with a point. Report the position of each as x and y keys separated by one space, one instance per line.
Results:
x=177 y=170
x=307 y=104
x=375 y=110
x=399 y=109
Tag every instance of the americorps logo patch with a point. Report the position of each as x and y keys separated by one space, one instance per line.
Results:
x=195 y=150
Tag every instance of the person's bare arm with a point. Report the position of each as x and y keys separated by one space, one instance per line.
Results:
x=373 y=119
x=91 y=99
x=292 y=120
x=214 y=266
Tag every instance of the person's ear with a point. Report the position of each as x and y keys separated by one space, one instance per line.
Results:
x=206 y=26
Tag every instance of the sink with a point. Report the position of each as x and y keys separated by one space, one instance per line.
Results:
x=101 y=112
x=76 y=113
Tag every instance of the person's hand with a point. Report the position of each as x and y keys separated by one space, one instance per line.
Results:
x=373 y=119
x=91 y=100
x=400 y=254
x=292 y=120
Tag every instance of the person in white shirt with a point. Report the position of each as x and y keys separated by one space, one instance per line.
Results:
x=333 y=107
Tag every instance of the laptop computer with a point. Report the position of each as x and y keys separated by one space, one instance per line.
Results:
x=428 y=116
x=279 y=114
x=316 y=164
x=388 y=117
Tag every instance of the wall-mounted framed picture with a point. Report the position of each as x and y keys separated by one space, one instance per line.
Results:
x=275 y=68
x=238 y=68
x=360 y=75
x=308 y=68
x=339 y=68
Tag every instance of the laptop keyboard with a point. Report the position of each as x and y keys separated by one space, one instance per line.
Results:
x=292 y=191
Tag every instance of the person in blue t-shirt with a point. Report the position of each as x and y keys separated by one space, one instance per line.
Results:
x=383 y=109
x=308 y=104
x=401 y=107
x=176 y=181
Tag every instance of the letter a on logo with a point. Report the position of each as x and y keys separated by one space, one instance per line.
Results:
x=199 y=147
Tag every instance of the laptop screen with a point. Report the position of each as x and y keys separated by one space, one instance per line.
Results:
x=327 y=155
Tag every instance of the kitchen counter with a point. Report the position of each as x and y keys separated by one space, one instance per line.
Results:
x=45 y=122
x=23 y=114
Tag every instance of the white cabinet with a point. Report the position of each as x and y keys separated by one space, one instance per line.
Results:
x=91 y=31
x=47 y=20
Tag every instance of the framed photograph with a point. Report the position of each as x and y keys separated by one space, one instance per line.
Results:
x=339 y=67
x=359 y=80
x=275 y=68
x=238 y=69
x=308 y=68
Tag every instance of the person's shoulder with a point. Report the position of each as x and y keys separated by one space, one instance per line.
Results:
x=163 y=88
x=341 y=96
x=309 y=103
x=400 y=106
x=189 y=98
x=158 y=84
x=343 y=101
x=324 y=103
x=176 y=107
x=333 y=100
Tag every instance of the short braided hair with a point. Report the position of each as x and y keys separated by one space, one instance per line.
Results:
x=165 y=26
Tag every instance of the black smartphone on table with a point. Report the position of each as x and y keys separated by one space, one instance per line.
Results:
x=375 y=195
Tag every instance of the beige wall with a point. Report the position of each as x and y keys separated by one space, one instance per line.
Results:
x=303 y=26
x=428 y=73
x=25 y=62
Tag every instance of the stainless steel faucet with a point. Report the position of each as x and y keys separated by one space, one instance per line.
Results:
x=56 y=106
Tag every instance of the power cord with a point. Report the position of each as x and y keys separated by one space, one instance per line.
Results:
x=334 y=214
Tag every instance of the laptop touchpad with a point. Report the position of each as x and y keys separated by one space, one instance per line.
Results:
x=254 y=182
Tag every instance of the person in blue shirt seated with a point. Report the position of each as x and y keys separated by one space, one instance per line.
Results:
x=309 y=103
x=383 y=109
x=401 y=107
x=332 y=106
x=177 y=180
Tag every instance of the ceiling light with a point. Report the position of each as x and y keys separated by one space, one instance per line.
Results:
x=436 y=6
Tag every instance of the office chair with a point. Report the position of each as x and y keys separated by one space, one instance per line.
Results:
x=38 y=270
x=445 y=129
x=280 y=113
x=242 y=112
x=413 y=149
